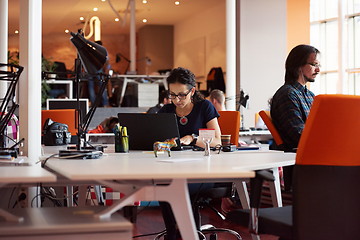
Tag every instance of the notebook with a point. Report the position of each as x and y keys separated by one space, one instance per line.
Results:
x=145 y=129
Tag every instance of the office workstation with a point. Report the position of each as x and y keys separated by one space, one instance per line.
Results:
x=145 y=173
x=205 y=35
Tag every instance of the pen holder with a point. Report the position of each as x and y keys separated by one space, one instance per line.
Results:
x=121 y=143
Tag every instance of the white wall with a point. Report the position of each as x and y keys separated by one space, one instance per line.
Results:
x=263 y=50
x=200 y=41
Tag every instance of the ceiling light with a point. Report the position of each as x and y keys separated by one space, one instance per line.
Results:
x=144 y=1
x=144 y=20
x=67 y=31
x=82 y=18
x=177 y=2
x=16 y=31
x=103 y=0
x=95 y=9
x=117 y=19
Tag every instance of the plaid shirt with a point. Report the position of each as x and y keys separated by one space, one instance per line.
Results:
x=289 y=109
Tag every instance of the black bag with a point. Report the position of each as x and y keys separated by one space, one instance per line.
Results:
x=55 y=133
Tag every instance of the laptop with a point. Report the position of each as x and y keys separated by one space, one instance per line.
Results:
x=145 y=129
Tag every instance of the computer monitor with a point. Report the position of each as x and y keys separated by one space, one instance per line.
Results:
x=145 y=129
x=60 y=103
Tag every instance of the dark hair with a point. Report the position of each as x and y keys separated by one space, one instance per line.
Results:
x=185 y=76
x=163 y=94
x=297 y=57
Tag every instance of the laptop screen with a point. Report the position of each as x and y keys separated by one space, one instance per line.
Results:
x=145 y=129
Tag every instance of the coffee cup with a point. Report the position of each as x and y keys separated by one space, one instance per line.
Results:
x=225 y=140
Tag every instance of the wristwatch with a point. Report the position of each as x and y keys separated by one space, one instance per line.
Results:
x=195 y=137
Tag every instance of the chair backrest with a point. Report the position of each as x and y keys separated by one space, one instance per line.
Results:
x=331 y=133
x=265 y=116
x=66 y=116
x=229 y=122
x=326 y=197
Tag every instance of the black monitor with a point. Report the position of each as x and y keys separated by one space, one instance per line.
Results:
x=145 y=129
x=60 y=103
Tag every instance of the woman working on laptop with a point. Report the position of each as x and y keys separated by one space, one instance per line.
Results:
x=193 y=113
x=192 y=110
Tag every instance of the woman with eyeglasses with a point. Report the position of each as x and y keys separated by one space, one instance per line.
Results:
x=193 y=113
x=192 y=110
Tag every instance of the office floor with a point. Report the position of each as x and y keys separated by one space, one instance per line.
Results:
x=149 y=220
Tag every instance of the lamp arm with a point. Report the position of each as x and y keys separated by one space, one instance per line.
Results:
x=124 y=57
x=88 y=117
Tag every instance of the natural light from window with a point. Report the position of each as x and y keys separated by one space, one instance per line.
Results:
x=335 y=31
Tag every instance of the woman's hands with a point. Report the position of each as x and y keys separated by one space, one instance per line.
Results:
x=186 y=140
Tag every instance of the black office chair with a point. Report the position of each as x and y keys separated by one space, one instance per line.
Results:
x=325 y=198
x=220 y=190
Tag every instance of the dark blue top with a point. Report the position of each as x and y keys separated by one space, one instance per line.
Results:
x=201 y=114
x=290 y=108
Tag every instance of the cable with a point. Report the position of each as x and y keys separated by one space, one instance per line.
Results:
x=43 y=162
x=149 y=234
x=12 y=193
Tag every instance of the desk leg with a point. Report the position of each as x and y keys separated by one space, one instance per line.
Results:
x=243 y=193
x=123 y=90
x=275 y=189
x=176 y=193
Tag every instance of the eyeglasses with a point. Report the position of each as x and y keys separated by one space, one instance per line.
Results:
x=181 y=96
x=317 y=65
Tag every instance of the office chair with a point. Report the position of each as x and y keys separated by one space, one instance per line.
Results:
x=229 y=122
x=265 y=116
x=326 y=201
x=279 y=145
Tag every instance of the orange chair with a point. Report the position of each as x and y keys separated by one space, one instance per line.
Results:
x=265 y=116
x=229 y=122
x=66 y=116
x=326 y=197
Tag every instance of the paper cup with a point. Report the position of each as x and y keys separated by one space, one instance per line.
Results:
x=225 y=140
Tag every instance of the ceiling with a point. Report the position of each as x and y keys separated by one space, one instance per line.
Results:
x=65 y=14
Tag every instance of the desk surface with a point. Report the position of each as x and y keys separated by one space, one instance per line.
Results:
x=25 y=174
x=139 y=165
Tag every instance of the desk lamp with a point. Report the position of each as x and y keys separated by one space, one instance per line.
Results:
x=92 y=57
x=8 y=105
x=242 y=102
x=118 y=59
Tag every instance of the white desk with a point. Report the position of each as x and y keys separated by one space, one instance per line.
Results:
x=254 y=136
x=132 y=79
x=54 y=223
x=141 y=169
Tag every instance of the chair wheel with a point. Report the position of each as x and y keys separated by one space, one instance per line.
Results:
x=213 y=236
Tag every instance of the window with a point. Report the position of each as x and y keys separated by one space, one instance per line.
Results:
x=335 y=31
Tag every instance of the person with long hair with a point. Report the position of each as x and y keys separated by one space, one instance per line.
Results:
x=290 y=106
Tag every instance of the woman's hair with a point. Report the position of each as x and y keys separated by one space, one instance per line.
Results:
x=297 y=57
x=185 y=76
